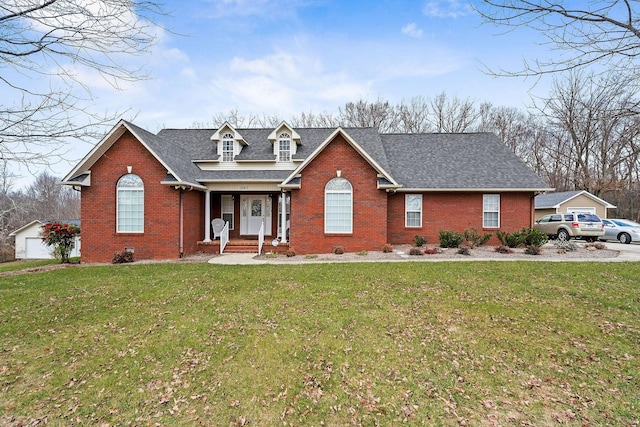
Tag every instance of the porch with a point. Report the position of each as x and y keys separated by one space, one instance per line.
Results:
x=241 y=246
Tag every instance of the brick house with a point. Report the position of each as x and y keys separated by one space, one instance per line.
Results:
x=308 y=189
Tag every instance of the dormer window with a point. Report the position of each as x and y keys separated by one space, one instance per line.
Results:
x=227 y=147
x=228 y=143
x=284 y=147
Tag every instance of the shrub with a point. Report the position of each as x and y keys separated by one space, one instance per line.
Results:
x=533 y=250
x=122 y=257
x=503 y=249
x=338 y=250
x=474 y=239
x=450 y=239
x=311 y=256
x=61 y=236
x=362 y=253
x=419 y=241
x=415 y=251
x=534 y=237
x=432 y=251
x=511 y=240
x=387 y=248
x=564 y=246
x=290 y=253
x=464 y=251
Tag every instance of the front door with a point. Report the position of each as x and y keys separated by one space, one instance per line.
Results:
x=255 y=211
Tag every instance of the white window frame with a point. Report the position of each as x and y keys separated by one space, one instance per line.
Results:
x=228 y=142
x=128 y=210
x=338 y=207
x=227 y=211
x=284 y=147
x=490 y=207
x=413 y=207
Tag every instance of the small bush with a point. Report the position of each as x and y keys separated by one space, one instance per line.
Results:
x=503 y=249
x=338 y=250
x=271 y=255
x=311 y=256
x=290 y=253
x=419 y=241
x=464 y=251
x=511 y=240
x=533 y=250
x=534 y=237
x=415 y=251
x=122 y=257
x=362 y=253
x=387 y=248
x=432 y=251
x=474 y=239
x=450 y=239
x=564 y=246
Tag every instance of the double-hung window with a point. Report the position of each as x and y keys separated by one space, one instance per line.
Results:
x=338 y=206
x=413 y=210
x=491 y=211
x=227 y=147
x=284 y=147
x=130 y=204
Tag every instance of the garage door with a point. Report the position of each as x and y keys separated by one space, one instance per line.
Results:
x=35 y=249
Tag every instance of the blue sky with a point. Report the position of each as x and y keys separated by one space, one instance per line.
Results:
x=285 y=57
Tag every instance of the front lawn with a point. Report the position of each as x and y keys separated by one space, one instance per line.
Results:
x=473 y=343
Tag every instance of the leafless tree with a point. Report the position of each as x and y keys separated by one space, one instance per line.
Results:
x=453 y=115
x=378 y=114
x=47 y=49
x=578 y=33
x=594 y=120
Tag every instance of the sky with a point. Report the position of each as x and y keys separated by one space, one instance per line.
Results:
x=286 y=57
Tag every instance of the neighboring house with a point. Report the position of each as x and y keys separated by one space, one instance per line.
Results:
x=29 y=242
x=571 y=201
x=310 y=189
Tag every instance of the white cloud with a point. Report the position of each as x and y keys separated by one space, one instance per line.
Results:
x=447 y=9
x=412 y=30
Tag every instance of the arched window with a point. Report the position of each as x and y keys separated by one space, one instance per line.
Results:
x=284 y=147
x=130 y=204
x=338 y=206
x=227 y=147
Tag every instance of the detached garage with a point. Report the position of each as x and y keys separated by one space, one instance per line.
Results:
x=29 y=243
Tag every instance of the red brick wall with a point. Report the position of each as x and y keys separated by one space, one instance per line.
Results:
x=457 y=212
x=307 y=204
x=160 y=239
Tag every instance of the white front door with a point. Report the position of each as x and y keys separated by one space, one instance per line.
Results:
x=255 y=211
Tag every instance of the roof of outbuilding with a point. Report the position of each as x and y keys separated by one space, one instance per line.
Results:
x=554 y=200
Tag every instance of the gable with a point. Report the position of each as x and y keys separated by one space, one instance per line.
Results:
x=293 y=181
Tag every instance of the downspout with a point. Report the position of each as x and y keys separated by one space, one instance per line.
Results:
x=181 y=232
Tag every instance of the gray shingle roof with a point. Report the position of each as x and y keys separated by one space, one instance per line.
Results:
x=552 y=200
x=474 y=161
x=457 y=161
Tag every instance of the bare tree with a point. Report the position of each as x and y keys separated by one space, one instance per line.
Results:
x=378 y=115
x=453 y=115
x=579 y=33
x=594 y=120
x=46 y=49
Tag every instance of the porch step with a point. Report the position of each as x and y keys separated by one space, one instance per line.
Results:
x=241 y=247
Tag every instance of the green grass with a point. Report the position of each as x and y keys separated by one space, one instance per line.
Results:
x=22 y=264
x=478 y=343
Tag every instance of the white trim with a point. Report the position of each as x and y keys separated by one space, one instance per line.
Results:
x=353 y=143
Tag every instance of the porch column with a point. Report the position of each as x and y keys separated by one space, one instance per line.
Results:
x=207 y=216
x=283 y=217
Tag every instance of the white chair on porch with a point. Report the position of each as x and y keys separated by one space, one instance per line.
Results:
x=217 y=224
